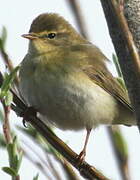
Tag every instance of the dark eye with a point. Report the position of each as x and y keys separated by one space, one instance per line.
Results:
x=51 y=35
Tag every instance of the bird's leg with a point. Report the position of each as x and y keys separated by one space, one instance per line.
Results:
x=82 y=154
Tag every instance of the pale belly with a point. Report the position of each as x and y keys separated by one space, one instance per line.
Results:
x=69 y=104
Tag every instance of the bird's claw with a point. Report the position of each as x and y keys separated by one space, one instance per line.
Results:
x=81 y=158
x=30 y=111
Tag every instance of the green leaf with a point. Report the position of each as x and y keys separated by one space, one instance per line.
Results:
x=1 y=44
x=9 y=98
x=2 y=141
x=12 y=152
x=121 y=144
x=3 y=38
x=1 y=116
x=9 y=171
x=4 y=35
x=115 y=60
x=15 y=156
x=20 y=155
x=36 y=177
x=7 y=82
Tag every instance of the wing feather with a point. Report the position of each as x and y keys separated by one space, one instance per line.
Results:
x=96 y=69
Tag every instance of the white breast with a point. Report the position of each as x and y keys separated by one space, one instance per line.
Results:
x=68 y=103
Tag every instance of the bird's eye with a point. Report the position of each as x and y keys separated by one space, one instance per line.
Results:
x=51 y=35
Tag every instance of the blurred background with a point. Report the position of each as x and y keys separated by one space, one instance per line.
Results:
x=17 y=16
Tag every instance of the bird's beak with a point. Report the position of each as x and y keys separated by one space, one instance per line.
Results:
x=29 y=36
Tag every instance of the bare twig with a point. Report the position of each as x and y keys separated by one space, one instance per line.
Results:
x=17 y=178
x=37 y=164
x=42 y=160
x=6 y=126
x=8 y=63
x=6 y=59
x=52 y=167
x=7 y=133
x=78 y=16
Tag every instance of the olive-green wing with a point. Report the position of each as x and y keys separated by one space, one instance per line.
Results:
x=110 y=85
x=97 y=71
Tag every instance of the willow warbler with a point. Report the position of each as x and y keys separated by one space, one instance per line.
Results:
x=65 y=78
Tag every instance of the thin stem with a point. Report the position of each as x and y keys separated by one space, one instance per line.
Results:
x=6 y=129
x=6 y=125
x=52 y=167
x=78 y=16
x=7 y=60
x=9 y=64
x=37 y=164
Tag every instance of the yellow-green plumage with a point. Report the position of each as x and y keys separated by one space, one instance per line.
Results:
x=66 y=79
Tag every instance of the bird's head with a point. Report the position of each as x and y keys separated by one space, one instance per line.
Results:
x=49 y=31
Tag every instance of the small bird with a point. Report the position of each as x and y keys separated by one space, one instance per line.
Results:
x=65 y=78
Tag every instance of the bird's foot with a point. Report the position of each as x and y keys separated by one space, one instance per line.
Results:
x=30 y=111
x=81 y=158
